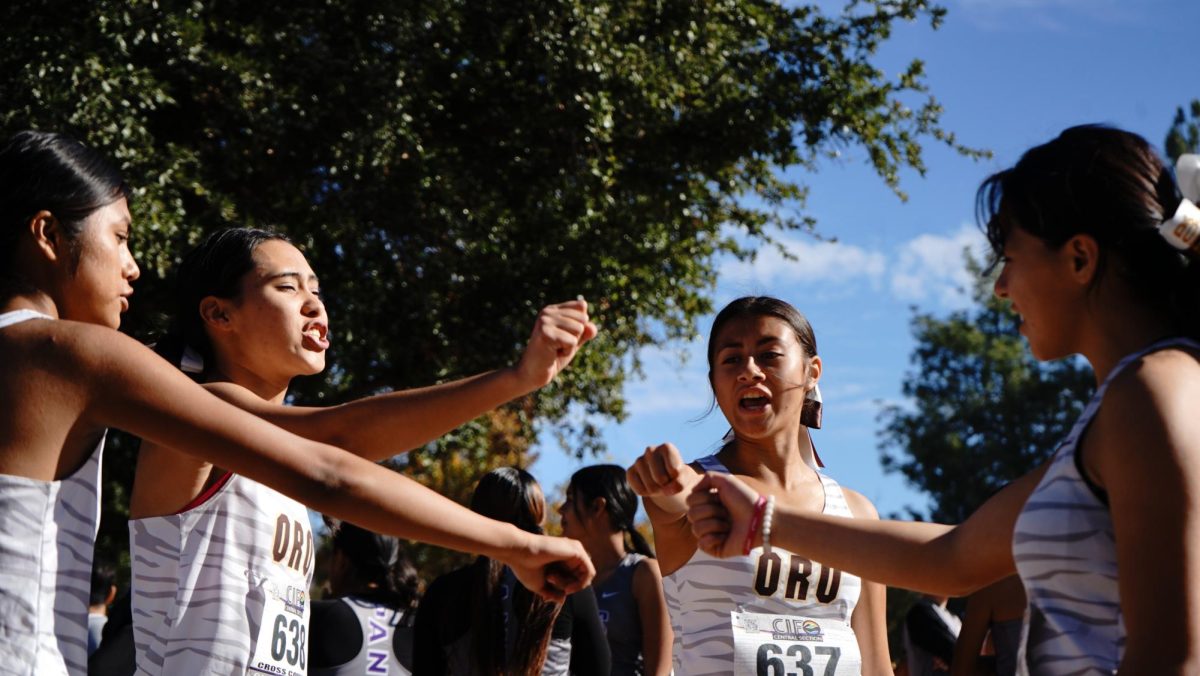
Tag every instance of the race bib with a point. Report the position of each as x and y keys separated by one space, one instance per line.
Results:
x=793 y=645
x=281 y=647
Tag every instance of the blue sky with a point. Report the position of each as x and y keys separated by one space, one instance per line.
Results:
x=1010 y=74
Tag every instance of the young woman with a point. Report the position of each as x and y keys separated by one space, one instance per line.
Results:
x=762 y=609
x=368 y=622
x=994 y=617
x=1106 y=535
x=221 y=563
x=599 y=511
x=480 y=620
x=65 y=279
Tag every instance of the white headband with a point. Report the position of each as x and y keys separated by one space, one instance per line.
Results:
x=1187 y=174
x=1183 y=229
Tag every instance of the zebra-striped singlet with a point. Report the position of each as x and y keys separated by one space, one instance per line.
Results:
x=1065 y=551
x=47 y=534
x=222 y=588
x=701 y=594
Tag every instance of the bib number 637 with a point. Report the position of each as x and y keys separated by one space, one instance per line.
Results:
x=771 y=659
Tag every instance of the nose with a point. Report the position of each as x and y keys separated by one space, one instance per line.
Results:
x=1000 y=288
x=313 y=306
x=132 y=271
x=750 y=371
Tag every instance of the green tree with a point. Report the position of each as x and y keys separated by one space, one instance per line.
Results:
x=451 y=166
x=983 y=411
x=1184 y=134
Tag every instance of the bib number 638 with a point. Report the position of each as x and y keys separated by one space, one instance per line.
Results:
x=771 y=660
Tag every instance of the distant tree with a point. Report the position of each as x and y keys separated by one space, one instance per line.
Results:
x=450 y=166
x=1184 y=134
x=981 y=410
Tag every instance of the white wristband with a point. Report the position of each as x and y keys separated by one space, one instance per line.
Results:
x=768 y=514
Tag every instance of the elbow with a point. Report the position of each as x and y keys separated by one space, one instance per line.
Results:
x=327 y=479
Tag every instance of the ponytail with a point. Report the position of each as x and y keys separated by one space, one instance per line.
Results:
x=609 y=482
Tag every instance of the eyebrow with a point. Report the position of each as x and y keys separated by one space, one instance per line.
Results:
x=291 y=273
x=761 y=341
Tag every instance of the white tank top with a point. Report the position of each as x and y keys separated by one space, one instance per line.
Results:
x=47 y=534
x=222 y=588
x=703 y=594
x=1065 y=551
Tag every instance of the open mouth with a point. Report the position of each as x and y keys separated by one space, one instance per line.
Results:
x=753 y=402
x=316 y=336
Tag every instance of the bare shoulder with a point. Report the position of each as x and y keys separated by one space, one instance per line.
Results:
x=860 y=506
x=1148 y=409
x=648 y=567
x=1160 y=389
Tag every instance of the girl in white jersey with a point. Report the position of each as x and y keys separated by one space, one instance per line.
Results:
x=67 y=376
x=762 y=612
x=221 y=563
x=1100 y=258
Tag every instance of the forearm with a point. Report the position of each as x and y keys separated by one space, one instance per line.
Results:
x=384 y=425
x=384 y=501
x=913 y=555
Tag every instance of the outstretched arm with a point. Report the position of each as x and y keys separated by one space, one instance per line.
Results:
x=385 y=425
x=131 y=388
x=929 y=557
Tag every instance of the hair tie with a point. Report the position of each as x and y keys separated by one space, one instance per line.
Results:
x=1182 y=231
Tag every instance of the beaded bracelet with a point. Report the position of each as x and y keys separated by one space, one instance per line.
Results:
x=759 y=506
x=768 y=515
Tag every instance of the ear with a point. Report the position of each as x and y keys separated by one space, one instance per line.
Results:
x=1083 y=254
x=814 y=371
x=599 y=505
x=214 y=312
x=48 y=236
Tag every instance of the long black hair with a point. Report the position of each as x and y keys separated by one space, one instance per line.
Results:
x=1109 y=184
x=378 y=562
x=512 y=495
x=43 y=171
x=214 y=268
x=620 y=502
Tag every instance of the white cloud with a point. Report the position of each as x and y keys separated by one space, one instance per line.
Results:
x=830 y=263
x=931 y=268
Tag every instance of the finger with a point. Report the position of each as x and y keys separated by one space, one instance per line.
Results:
x=707 y=510
x=657 y=465
x=572 y=323
x=712 y=544
x=710 y=526
x=634 y=475
x=702 y=494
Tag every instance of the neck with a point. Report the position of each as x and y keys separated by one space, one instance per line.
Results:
x=606 y=551
x=1122 y=329
x=98 y=610
x=784 y=460
x=270 y=389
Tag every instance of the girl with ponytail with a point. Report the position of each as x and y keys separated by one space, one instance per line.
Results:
x=766 y=610
x=221 y=562
x=1100 y=258
x=479 y=620
x=367 y=623
x=598 y=511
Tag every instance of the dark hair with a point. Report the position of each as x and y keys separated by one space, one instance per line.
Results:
x=766 y=306
x=1108 y=184
x=620 y=502
x=512 y=495
x=214 y=268
x=42 y=171
x=379 y=560
x=103 y=579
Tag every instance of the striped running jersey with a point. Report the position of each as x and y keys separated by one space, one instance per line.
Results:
x=705 y=594
x=47 y=534
x=222 y=588
x=1065 y=551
